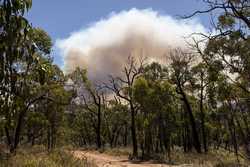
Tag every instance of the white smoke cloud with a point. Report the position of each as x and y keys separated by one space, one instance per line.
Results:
x=104 y=46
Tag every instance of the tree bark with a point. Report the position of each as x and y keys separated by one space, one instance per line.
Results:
x=195 y=135
x=17 y=131
x=7 y=135
x=204 y=137
x=99 y=124
x=133 y=131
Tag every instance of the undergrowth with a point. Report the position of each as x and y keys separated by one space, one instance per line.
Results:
x=38 y=156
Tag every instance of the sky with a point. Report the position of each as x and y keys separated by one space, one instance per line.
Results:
x=62 y=17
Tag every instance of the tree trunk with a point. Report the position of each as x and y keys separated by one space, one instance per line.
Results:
x=99 y=127
x=49 y=138
x=196 y=141
x=125 y=136
x=204 y=137
x=133 y=131
x=7 y=135
x=17 y=131
x=232 y=130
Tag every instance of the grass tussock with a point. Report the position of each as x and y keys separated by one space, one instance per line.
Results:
x=38 y=156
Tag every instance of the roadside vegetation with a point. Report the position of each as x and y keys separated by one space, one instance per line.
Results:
x=214 y=158
x=38 y=156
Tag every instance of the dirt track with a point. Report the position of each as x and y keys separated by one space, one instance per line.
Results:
x=103 y=160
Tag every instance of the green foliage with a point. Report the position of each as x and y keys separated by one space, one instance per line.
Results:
x=42 y=40
x=226 y=21
x=79 y=76
x=28 y=78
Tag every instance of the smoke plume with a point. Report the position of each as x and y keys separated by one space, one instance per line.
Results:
x=104 y=46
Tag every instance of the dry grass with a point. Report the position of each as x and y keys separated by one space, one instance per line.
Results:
x=38 y=157
x=214 y=158
x=120 y=151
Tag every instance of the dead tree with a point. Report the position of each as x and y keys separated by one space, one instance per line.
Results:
x=96 y=97
x=122 y=87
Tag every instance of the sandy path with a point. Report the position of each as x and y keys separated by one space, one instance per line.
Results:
x=104 y=160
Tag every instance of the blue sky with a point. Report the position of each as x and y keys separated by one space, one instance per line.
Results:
x=62 y=17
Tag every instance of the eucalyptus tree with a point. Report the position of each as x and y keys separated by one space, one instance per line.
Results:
x=116 y=120
x=156 y=99
x=201 y=82
x=182 y=78
x=229 y=44
x=22 y=69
